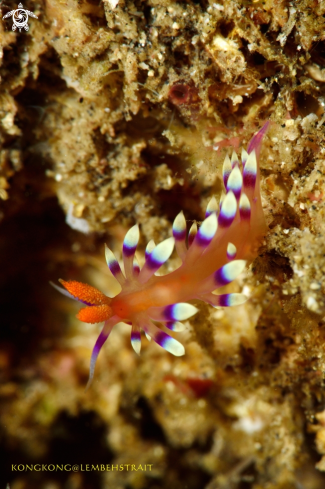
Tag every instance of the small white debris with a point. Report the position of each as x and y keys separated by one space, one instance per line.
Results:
x=222 y=44
x=246 y=290
x=289 y=122
x=315 y=286
x=158 y=451
x=112 y=3
x=201 y=403
x=144 y=66
x=315 y=72
x=312 y=304
x=299 y=273
x=308 y=121
x=76 y=223
x=249 y=425
x=75 y=247
x=217 y=6
x=237 y=100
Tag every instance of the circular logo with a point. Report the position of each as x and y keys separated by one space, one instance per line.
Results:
x=20 y=19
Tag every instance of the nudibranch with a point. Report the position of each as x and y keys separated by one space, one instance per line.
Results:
x=213 y=256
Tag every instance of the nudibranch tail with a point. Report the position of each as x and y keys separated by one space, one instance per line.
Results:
x=256 y=141
x=213 y=256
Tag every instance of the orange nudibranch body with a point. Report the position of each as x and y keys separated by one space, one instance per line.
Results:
x=245 y=233
x=212 y=257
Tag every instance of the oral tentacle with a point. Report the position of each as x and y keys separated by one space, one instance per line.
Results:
x=108 y=326
x=67 y=294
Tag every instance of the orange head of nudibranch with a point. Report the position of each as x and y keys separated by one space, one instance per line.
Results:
x=98 y=304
